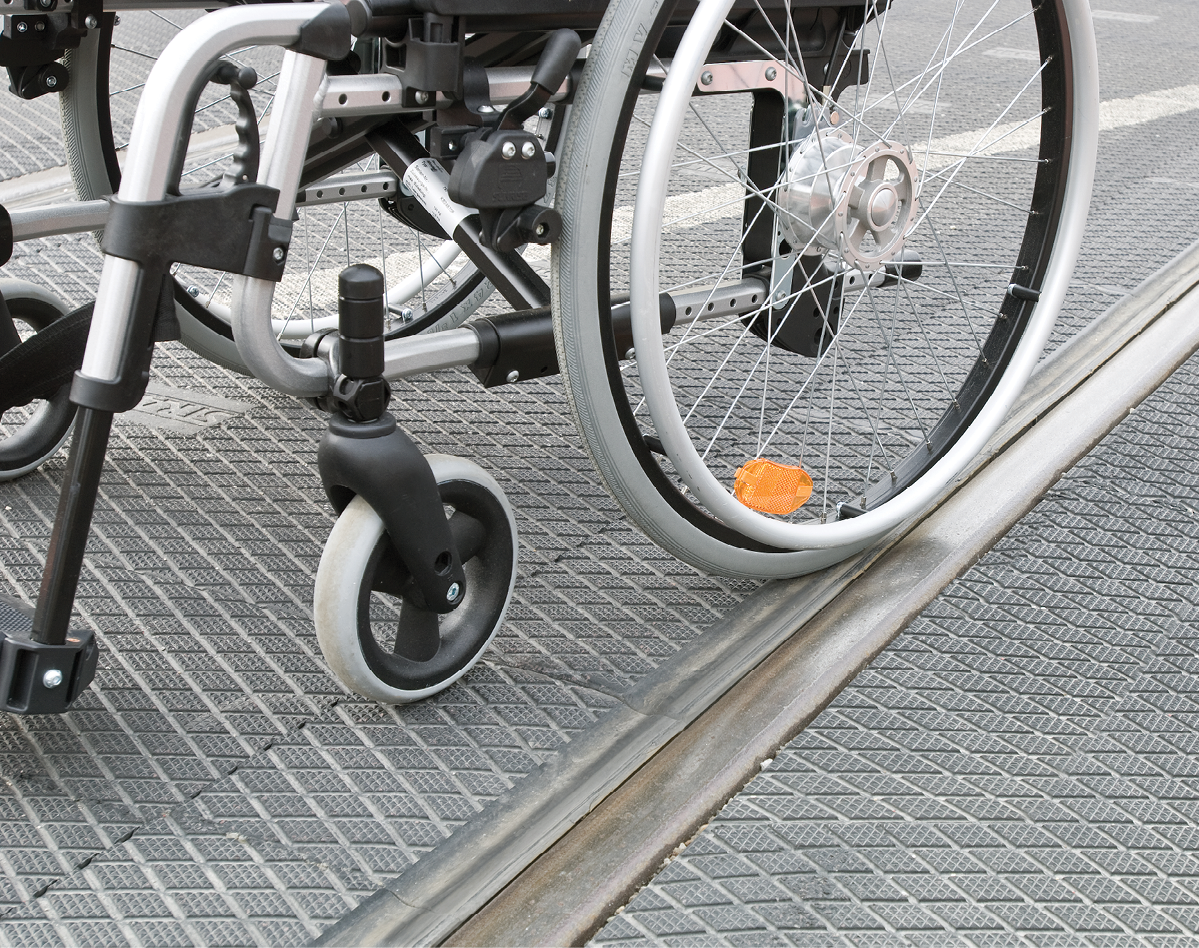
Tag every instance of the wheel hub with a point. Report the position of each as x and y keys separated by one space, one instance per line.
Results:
x=857 y=201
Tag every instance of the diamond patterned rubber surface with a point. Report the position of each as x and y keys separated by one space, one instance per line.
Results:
x=216 y=785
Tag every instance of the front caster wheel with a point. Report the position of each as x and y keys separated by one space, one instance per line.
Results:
x=33 y=431
x=378 y=641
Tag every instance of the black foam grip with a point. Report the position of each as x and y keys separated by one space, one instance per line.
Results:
x=555 y=61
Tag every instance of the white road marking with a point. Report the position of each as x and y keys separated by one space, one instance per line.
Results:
x=1007 y=52
x=1120 y=17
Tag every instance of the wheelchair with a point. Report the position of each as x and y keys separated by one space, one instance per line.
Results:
x=793 y=259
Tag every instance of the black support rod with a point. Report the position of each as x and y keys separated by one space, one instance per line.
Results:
x=72 y=526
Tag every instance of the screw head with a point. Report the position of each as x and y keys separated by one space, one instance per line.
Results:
x=451 y=145
x=22 y=26
x=91 y=22
x=508 y=149
x=39 y=27
x=278 y=253
x=771 y=72
x=540 y=230
x=193 y=291
x=422 y=97
x=52 y=678
x=514 y=376
x=706 y=78
x=631 y=354
x=45 y=4
x=452 y=594
x=51 y=81
x=545 y=113
x=406 y=314
x=485 y=110
x=528 y=149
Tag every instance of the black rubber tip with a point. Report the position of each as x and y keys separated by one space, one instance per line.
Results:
x=360 y=282
x=559 y=55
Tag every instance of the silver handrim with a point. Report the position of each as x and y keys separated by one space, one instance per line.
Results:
x=693 y=450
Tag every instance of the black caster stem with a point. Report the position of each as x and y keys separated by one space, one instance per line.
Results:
x=72 y=526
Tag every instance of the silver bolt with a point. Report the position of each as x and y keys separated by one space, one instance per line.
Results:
x=51 y=82
x=91 y=22
x=508 y=149
x=452 y=594
x=706 y=78
x=545 y=113
x=422 y=97
x=771 y=72
x=406 y=314
x=528 y=149
x=631 y=354
x=451 y=145
x=52 y=678
x=278 y=253
x=193 y=291
x=514 y=376
x=22 y=26
x=485 y=110
x=540 y=230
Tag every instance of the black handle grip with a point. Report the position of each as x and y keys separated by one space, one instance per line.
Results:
x=555 y=61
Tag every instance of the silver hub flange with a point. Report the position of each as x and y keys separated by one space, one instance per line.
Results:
x=857 y=201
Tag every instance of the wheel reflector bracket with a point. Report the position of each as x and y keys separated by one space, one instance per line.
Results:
x=770 y=487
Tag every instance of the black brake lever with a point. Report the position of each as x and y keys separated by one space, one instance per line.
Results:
x=560 y=53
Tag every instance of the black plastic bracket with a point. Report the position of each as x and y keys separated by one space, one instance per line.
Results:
x=515 y=347
x=429 y=59
x=231 y=229
x=808 y=323
x=378 y=461
x=36 y=678
x=35 y=35
x=364 y=452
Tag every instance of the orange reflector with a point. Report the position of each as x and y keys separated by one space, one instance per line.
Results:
x=770 y=487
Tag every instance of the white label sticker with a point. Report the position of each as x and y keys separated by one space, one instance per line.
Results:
x=427 y=180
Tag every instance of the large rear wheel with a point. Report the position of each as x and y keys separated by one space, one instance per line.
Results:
x=866 y=215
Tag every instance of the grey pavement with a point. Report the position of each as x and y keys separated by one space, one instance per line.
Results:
x=217 y=786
